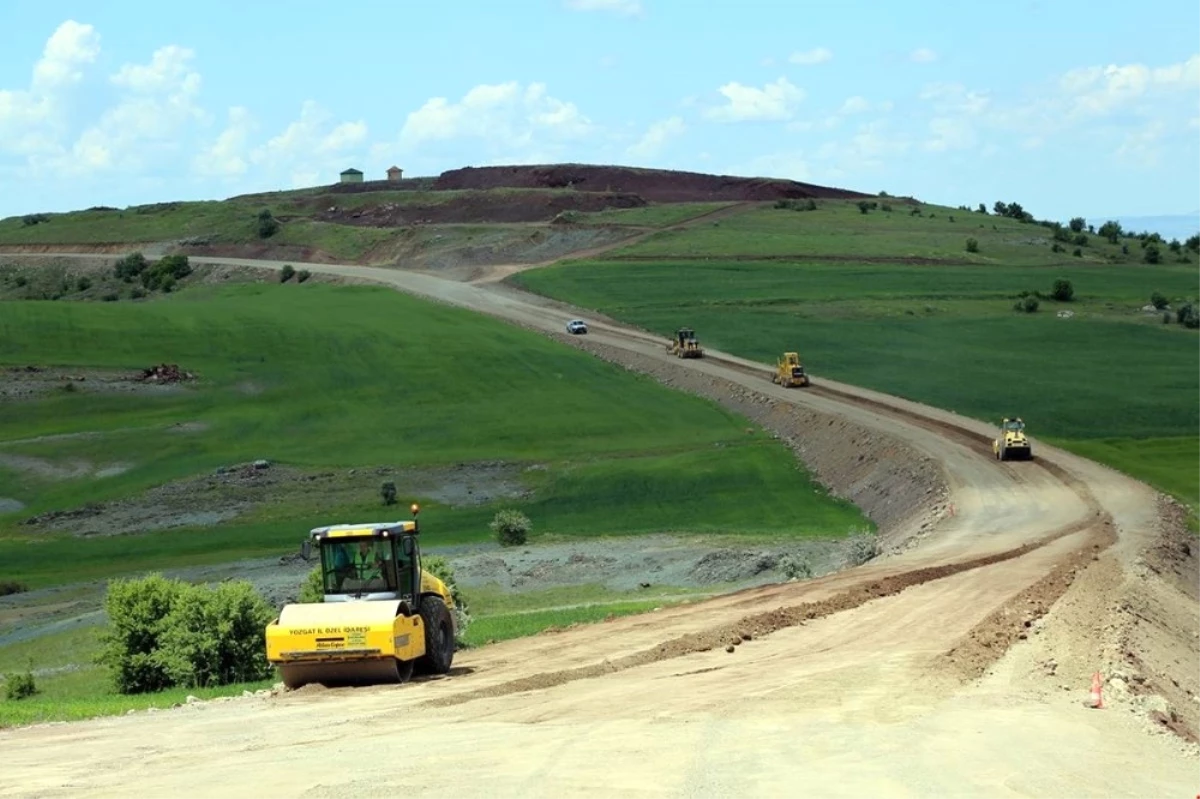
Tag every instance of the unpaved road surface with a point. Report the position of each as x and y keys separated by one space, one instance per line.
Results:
x=958 y=664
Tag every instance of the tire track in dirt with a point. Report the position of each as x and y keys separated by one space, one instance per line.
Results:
x=497 y=272
x=759 y=625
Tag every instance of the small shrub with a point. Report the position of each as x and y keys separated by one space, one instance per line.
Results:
x=862 y=548
x=131 y=266
x=83 y=283
x=21 y=281
x=1188 y=316
x=864 y=206
x=1063 y=291
x=111 y=296
x=303 y=275
x=440 y=568
x=138 y=293
x=1175 y=246
x=1027 y=304
x=163 y=633
x=1152 y=255
x=511 y=527
x=1158 y=301
x=1080 y=240
x=795 y=567
x=69 y=388
x=1078 y=253
x=388 y=492
x=286 y=273
x=1058 y=248
x=887 y=207
x=268 y=225
x=312 y=589
x=8 y=587
x=20 y=685
x=972 y=245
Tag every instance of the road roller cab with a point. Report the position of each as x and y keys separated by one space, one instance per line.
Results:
x=382 y=615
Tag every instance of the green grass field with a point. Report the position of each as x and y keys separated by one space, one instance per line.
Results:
x=347 y=377
x=839 y=229
x=1099 y=383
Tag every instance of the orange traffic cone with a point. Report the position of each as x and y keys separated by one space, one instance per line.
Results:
x=1095 y=700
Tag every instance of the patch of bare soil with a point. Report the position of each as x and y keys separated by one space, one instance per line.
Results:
x=34 y=382
x=655 y=185
x=232 y=491
x=731 y=636
x=489 y=206
x=641 y=562
x=261 y=250
x=457 y=257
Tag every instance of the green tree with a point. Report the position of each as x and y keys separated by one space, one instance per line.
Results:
x=1077 y=224
x=1062 y=291
x=1111 y=230
x=972 y=245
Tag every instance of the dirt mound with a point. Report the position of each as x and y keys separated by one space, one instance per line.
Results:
x=165 y=373
x=504 y=207
x=655 y=185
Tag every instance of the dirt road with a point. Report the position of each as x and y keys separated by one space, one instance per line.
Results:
x=956 y=666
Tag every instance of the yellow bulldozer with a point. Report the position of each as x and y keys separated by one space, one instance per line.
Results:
x=382 y=618
x=685 y=344
x=1012 y=444
x=790 y=372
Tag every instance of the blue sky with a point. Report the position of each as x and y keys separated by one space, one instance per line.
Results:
x=1070 y=108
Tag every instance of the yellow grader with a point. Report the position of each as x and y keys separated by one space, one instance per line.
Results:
x=790 y=372
x=1012 y=444
x=382 y=615
x=685 y=345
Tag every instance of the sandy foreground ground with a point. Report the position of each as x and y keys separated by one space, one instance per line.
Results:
x=959 y=663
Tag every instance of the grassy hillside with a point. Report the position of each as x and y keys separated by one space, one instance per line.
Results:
x=318 y=377
x=1111 y=382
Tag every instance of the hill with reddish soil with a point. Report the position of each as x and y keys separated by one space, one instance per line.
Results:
x=653 y=185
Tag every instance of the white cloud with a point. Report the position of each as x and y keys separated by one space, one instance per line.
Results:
x=818 y=55
x=950 y=133
x=228 y=155
x=922 y=55
x=954 y=98
x=866 y=149
x=158 y=102
x=1142 y=147
x=775 y=101
x=1095 y=91
x=854 y=105
x=311 y=149
x=69 y=48
x=32 y=120
x=506 y=115
x=625 y=8
x=656 y=136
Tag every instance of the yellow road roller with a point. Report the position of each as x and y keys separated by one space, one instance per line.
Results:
x=382 y=616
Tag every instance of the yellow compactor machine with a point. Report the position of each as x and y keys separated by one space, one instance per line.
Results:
x=382 y=617
x=789 y=371
x=685 y=344
x=1012 y=443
